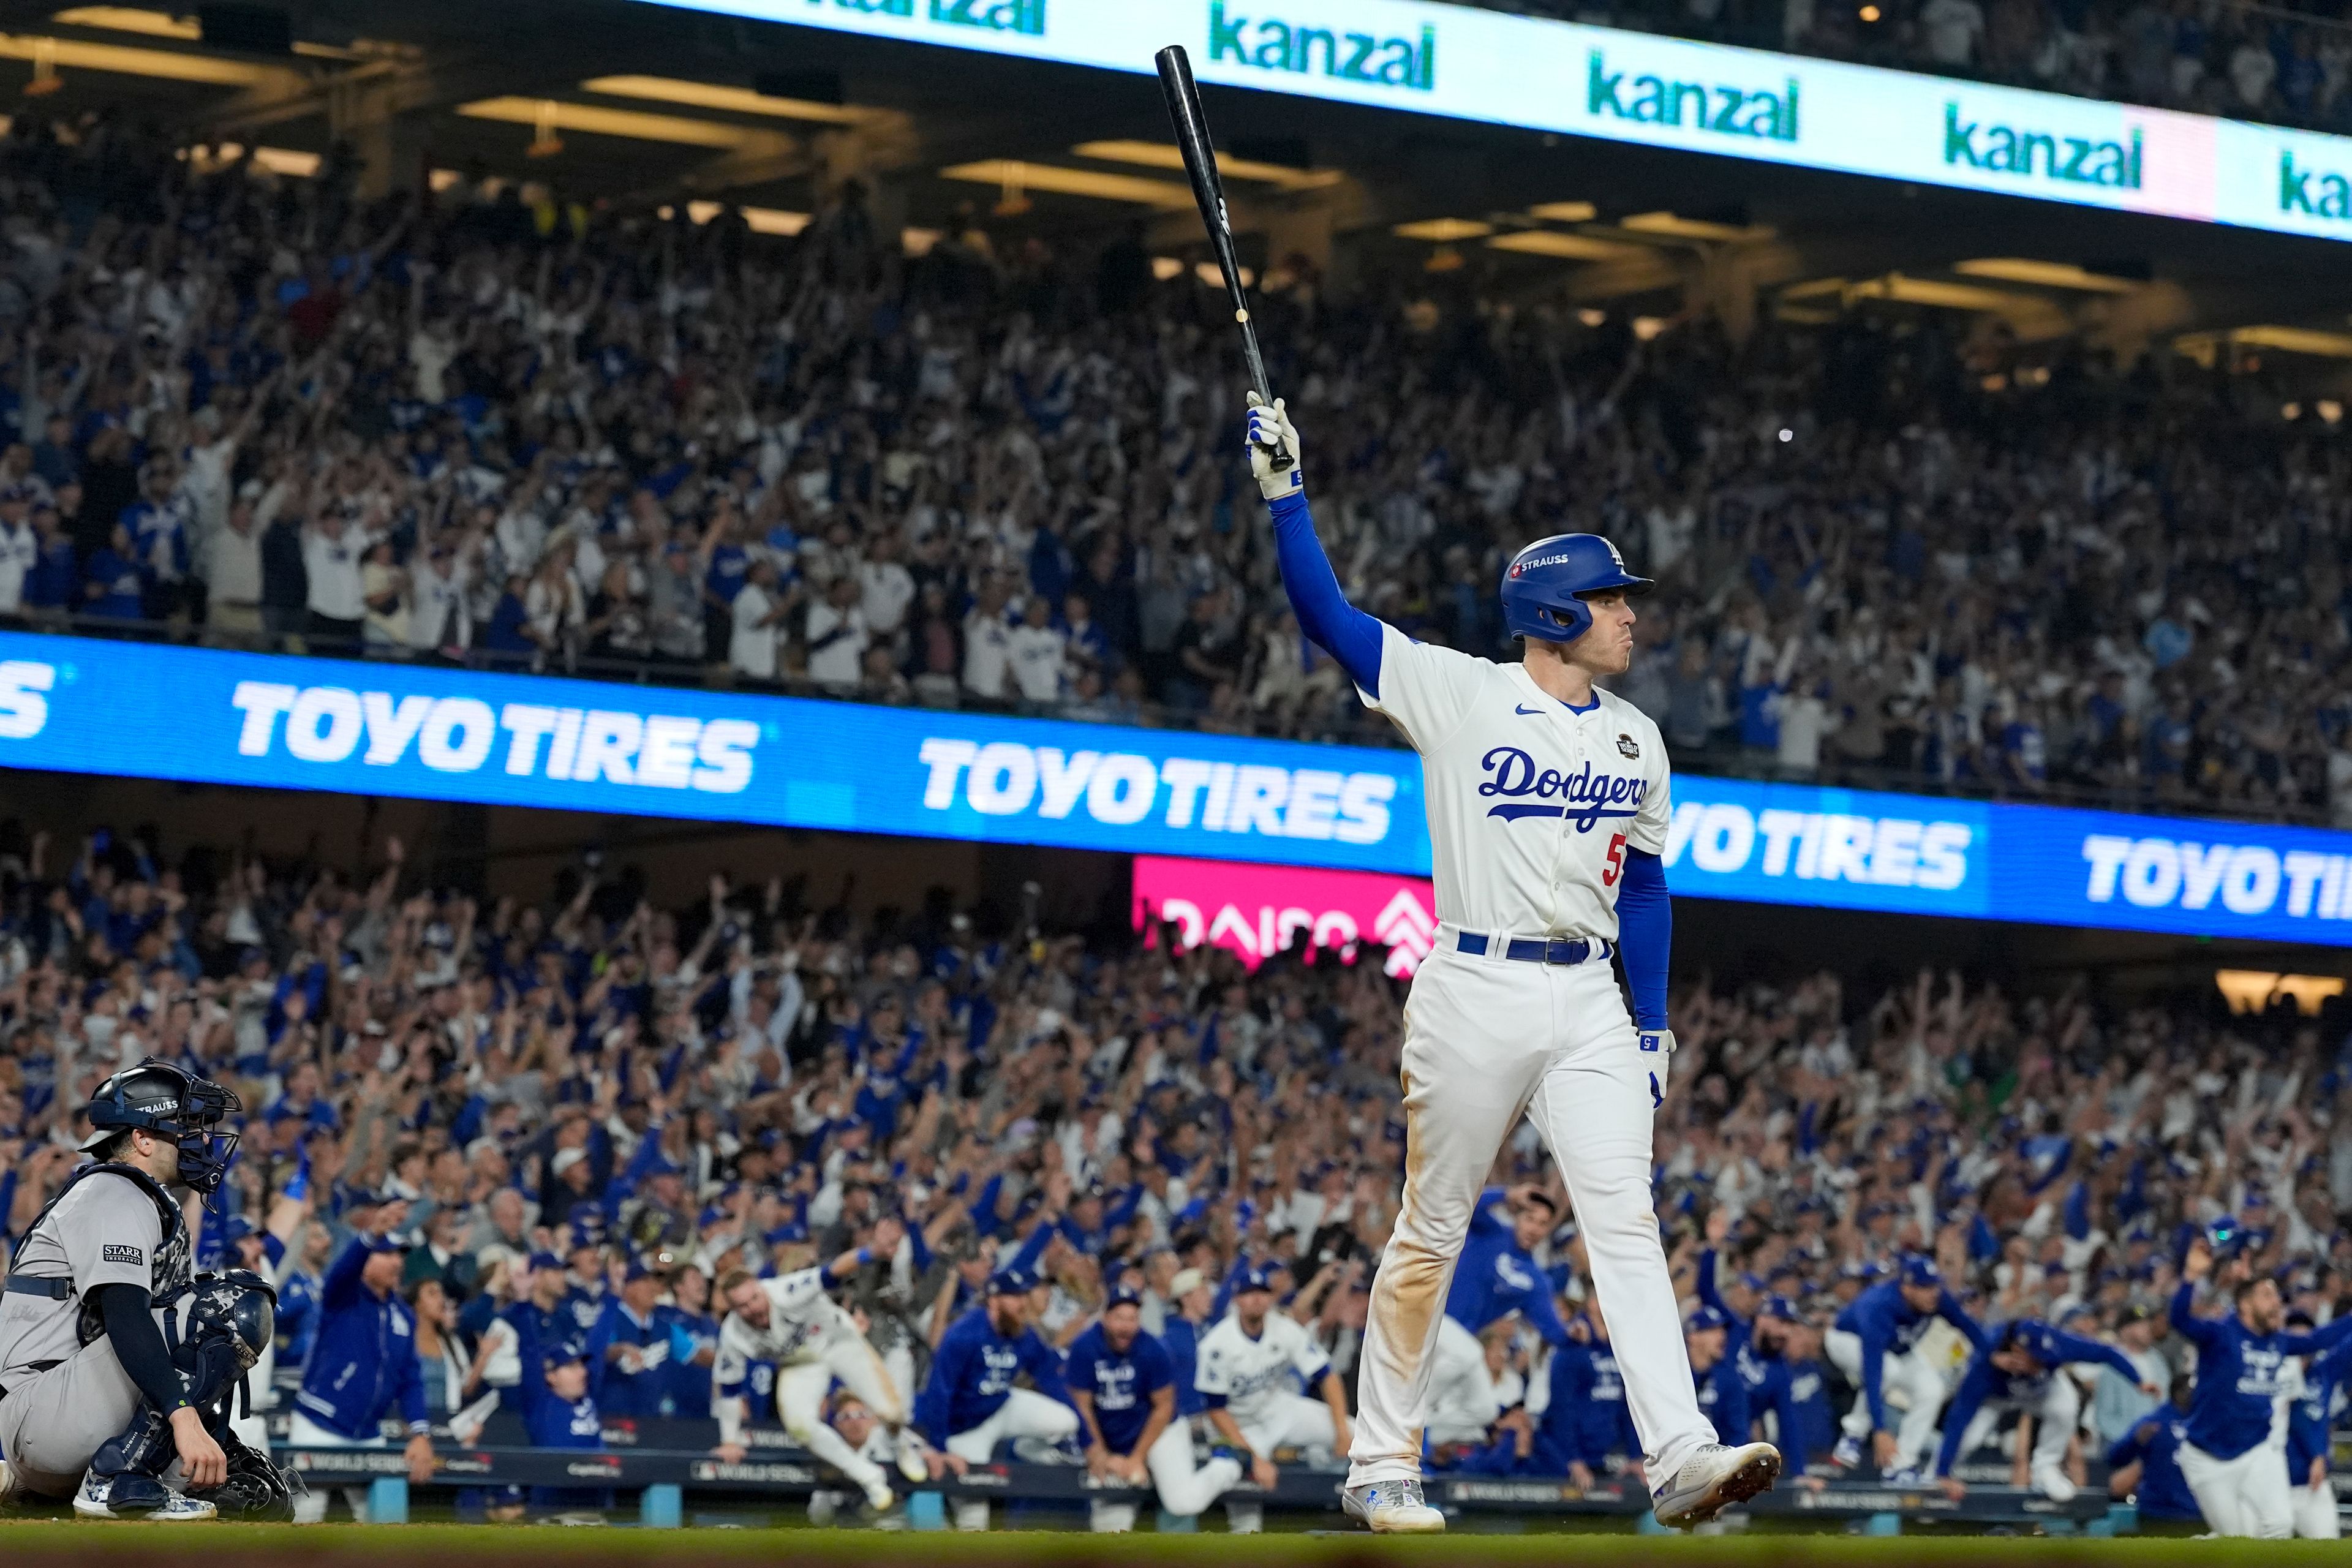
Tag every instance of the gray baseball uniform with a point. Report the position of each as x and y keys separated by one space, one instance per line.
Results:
x=62 y=1390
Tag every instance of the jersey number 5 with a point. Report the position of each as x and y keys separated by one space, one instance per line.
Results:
x=1616 y=861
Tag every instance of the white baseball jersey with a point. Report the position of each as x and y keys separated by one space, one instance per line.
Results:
x=1250 y=1371
x=1531 y=804
x=802 y=1321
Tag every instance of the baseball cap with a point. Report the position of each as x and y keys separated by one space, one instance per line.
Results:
x=1921 y=1271
x=545 y=1260
x=791 y=1231
x=1705 y=1318
x=1011 y=1280
x=563 y=1352
x=1252 y=1279
x=1123 y=1296
x=1187 y=1280
x=1778 y=1306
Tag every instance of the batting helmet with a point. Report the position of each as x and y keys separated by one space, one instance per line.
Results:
x=1545 y=585
x=156 y=1097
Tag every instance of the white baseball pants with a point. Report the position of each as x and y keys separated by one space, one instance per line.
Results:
x=1461 y=1402
x=2056 y=1415
x=1280 y=1420
x=1186 y=1486
x=2245 y=1496
x=2315 y=1518
x=1488 y=1041
x=302 y=1432
x=1919 y=1380
x=1024 y=1413
x=801 y=1388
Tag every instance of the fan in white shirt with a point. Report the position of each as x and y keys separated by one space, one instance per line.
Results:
x=1039 y=653
x=837 y=636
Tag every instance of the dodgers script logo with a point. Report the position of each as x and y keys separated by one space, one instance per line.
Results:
x=1586 y=796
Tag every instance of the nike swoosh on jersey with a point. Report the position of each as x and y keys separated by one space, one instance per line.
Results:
x=1513 y=813
x=1518 y=708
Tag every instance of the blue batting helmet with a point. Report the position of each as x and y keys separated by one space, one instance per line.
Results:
x=1545 y=585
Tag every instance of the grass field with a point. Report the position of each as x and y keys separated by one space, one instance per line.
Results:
x=446 y=1546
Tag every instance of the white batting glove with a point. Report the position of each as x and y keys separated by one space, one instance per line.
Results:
x=1658 y=1042
x=1270 y=430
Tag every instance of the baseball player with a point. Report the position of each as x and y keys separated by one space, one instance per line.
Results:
x=95 y=1404
x=1876 y=1340
x=969 y=1404
x=1722 y=1389
x=2022 y=1368
x=2238 y=1474
x=792 y=1323
x=2144 y=1466
x=1548 y=809
x=1186 y=1484
x=1123 y=1383
x=1247 y=1362
x=2310 y=1439
x=1496 y=1276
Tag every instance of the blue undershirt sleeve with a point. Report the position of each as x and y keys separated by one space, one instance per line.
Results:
x=1645 y=931
x=1336 y=626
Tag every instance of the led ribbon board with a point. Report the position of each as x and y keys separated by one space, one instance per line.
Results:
x=423 y=731
x=1567 y=77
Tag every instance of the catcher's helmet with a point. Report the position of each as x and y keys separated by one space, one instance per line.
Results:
x=1545 y=585
x=171 y=1102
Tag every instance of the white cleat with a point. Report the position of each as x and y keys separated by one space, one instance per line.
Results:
x=879 y=1498
x=1391 y=1508
x=911 y=1463
x=138 y=1497
x=1713 y=1479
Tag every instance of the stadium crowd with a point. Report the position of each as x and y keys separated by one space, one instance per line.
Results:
x=2289 y=64
x=477 y=427
x=555 y=1144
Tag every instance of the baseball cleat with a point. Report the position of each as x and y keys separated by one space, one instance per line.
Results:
x=879 y=1498
x=1847 y=1455
x=911 y=1463
x=1713 y=1479
x=1391 y=1508
x=136 y=1497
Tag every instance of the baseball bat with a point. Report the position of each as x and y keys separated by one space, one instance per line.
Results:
x=1183 y=95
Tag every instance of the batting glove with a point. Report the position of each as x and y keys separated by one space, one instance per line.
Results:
x=1659 y=1042
x=1271 y=431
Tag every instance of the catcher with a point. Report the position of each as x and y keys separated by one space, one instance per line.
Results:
x=118 y=1370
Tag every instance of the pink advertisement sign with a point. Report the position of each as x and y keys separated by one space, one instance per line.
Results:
x=1256 y=910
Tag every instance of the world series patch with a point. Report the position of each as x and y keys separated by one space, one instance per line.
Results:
x=1627 y=746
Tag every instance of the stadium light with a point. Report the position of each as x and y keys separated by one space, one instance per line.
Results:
x=1167 y=155
x=2047 y=274
x=1674 y=227
x=2254 y=990
x=2029 y=315
x=1564 y=247
x=119 y=59
x=545 y=114
x=730 y=100
x=1443 y=230
x=1565 y=212
x=1013 y=173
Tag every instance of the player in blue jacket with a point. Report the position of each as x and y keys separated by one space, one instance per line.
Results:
x=969 y=1404
x=2242 y=1374
x=1876 y=1340
x=2310 y=1441
x=2143 y=1466
x=1722 y=1392
x=563 y=1415
x=364 y=1366
x=2021 y=1369
x=1749 y=1343
x=1586 y=1420
x=1795 y=1394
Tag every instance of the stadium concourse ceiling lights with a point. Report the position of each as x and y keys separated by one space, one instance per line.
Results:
x=1669 y=225
x=164 y=24
x=119 y=59
x=2047 y=274
x=730 y=100
x=1443 y=230
x=1014 y=176
x=544 y=114
x=2201 y=346
x=1562 y=247
x=1167 y=155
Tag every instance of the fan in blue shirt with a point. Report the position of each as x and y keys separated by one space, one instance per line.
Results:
x=564 y=1417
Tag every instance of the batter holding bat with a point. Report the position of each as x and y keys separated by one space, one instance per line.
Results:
x=1548 y=813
